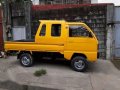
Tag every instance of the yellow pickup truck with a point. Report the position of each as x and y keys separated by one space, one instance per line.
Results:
x=73 y=41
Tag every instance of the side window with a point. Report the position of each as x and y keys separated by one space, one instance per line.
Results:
x=78 y=31
x=56 y=30
x=43 y=30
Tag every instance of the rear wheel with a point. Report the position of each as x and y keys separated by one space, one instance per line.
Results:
x=26 y=60
x=79 y=63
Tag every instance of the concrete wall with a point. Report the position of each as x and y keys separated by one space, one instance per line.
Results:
x=110 y=27
x=109 y=42
x=116 y=37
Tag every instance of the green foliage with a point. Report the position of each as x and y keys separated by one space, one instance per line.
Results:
x=1 y=1
x=40 y=72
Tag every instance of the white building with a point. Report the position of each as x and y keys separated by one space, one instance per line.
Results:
x=116 y=2
x=35 y=2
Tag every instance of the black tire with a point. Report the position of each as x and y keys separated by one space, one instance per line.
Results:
x=79 y=63
x=26 y=60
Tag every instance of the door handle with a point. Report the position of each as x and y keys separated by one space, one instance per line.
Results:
x=61 y=44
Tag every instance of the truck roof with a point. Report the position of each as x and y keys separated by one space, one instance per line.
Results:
x=52 y=20
x=63 y=21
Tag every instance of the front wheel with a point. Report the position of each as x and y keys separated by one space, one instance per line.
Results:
x=79 y=63
x=26 y=60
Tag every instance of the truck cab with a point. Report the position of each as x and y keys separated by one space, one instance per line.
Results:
x=75 y=41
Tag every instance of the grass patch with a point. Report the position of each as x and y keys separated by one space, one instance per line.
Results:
x=40 y=72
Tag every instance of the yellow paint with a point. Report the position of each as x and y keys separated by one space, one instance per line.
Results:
x=64 y=44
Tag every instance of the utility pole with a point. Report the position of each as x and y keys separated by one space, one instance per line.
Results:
x=27 y=7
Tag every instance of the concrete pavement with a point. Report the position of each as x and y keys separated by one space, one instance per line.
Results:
x=101 y=75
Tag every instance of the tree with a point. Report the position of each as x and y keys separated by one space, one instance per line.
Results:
x=1 y=1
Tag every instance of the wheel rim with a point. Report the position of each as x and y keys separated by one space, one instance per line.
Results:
x=79 y=64
x=25 y=60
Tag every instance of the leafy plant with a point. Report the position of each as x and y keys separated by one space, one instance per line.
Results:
x=40 y=72
x=1 y=0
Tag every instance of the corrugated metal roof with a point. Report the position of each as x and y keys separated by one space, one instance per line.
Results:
x=54 y=7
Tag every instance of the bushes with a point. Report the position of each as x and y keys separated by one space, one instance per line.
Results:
x=40 y=72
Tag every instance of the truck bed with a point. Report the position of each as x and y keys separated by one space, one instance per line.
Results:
x=18 y=45
x=30 y=40
x=26 y=45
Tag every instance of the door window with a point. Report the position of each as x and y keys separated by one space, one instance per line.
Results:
x=78 y=31
x=43 y=30
x=56 y=30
